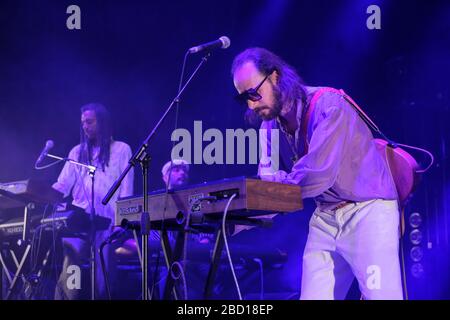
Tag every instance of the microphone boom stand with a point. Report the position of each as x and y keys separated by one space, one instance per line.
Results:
x=141 y=156
x=92 y=231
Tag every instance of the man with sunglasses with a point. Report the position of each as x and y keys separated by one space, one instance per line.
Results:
x=354 y=230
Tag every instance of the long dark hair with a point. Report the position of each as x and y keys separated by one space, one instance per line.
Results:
x=290 y=84
x=104 y=135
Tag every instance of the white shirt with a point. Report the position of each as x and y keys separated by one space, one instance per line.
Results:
x=342 y=162
x=76 y=179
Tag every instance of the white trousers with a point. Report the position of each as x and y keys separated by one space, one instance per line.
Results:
x=359 y=240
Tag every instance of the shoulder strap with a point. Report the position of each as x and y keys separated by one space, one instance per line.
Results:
x=311 y=106
x=364 y=117
x=309 y=110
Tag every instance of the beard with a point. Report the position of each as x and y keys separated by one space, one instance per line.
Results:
x=275 y=110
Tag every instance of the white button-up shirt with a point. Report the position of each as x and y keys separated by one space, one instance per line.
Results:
x=76 y=180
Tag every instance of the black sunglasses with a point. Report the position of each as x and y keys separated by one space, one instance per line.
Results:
x=252 y=93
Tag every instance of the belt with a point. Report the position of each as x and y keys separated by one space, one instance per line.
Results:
x=342 y=204
x=330 y=206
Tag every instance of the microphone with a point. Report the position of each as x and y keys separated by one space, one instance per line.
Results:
x=48 y=145
x=223 y=43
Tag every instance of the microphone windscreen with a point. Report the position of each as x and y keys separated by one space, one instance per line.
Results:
x=49 y=144
x=226 y=41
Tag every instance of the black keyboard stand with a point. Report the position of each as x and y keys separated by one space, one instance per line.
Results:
x=217 y=252
x=220 y=242
x=210 y=225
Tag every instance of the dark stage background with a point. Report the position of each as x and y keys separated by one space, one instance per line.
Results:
x=128 y=55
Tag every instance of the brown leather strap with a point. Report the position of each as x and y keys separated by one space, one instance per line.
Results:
x=310 y=110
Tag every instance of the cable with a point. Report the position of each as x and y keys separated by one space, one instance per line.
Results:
x=35 y=255
x=48 y=165
x=226 y=245
x=182 y=276
x=375 y=128
x=35 y=244
x=259 y=262
x=422 y=150
x=54 y=242
x=36 y=240
x=105 y=272
x=185 y=235
x=78 y=172
x=180 y=84
x=184 y=256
